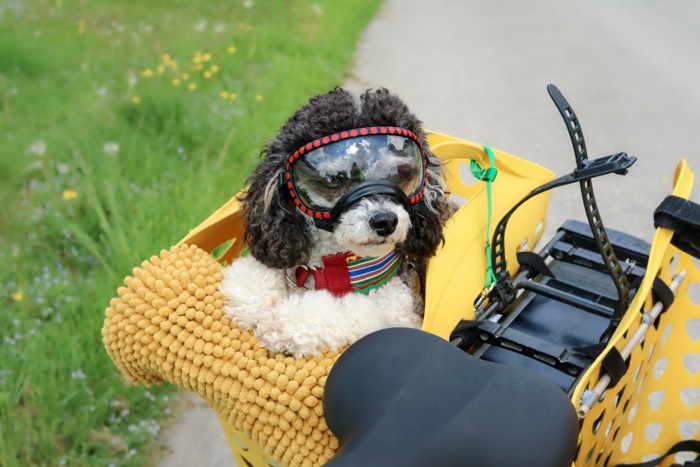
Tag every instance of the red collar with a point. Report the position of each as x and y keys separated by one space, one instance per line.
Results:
x=343 y=273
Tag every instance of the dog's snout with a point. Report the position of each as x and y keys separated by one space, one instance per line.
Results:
x=384 y=223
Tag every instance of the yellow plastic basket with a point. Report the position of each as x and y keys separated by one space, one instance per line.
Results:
x=652 y=407
x=455 y=275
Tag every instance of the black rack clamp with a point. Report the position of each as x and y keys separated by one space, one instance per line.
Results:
x=591 y=207
x=585 y=170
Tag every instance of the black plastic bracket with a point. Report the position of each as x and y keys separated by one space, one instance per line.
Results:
x=617 y=163
x=534 y=263
x=465 y=334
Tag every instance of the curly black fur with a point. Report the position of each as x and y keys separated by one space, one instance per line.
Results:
x=278 y=235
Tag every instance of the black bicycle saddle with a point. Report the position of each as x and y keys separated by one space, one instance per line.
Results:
x=403 y=397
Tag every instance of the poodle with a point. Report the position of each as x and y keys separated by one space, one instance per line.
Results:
x=341 y=214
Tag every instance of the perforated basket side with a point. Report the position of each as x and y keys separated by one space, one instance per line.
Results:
x=657 y=402
x=246 y=452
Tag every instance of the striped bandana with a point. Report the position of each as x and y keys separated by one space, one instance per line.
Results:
x=369 y=273
x=345 y=272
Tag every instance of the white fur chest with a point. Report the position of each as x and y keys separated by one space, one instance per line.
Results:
x=304 y=322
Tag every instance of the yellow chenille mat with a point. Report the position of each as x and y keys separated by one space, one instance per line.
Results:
x=167 y=324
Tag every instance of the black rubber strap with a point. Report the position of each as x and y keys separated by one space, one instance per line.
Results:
x=683 y=217
x=615 y=366
x=663 y=292
x=660 y=290
x=689 y=445
x=613 y=363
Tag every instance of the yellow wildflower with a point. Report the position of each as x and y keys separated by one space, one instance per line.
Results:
x=174 y=65
x=161 y=69
x=166 y=58
x=18 y=296
x=136 y=99
x=214 y=68
x=81 y=26
x=147 y=73
x=258 y=97
x=192 y=86
x=206 y=57
x=176 y=82
x=207 y=74
x=232 y=49
x=70 y=194
x=185 y=76
x=224 y=95
x=197 y=59
x=233 y=96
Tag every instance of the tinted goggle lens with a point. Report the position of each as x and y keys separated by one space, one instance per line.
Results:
x=323 y=174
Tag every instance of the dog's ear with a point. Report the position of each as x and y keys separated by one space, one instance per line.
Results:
x=381 y=108
x=277 y=235
x=427 y=217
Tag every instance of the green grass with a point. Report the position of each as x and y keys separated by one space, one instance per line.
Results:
x=102 y=165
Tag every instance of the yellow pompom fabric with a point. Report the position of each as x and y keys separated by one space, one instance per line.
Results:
x=167 y=324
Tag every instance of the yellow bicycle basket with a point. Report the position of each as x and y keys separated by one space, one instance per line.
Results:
x=153 y=337
x=455 y=275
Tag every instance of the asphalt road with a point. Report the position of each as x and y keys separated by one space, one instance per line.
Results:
x=479 y=70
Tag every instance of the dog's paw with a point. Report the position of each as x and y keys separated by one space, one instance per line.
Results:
x=271 y=336
x=309 y=323
x=398 y=304
x=251 y=289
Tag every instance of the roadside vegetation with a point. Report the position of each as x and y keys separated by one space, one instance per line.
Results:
x=122 y=126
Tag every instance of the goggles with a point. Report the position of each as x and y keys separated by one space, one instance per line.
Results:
x=326 y=176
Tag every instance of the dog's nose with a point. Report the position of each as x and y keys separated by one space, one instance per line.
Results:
x=384 y=223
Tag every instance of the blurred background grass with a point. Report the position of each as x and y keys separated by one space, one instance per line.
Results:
x=123 y=125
